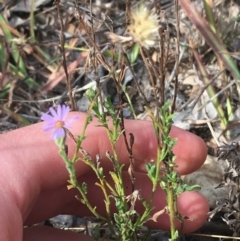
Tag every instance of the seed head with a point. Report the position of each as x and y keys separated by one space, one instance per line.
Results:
x=143 y=29
x=144 y=26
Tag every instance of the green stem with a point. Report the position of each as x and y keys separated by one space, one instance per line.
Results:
x=82 y=137
x=171 y=209
x=129 y=102
x=74 y=183
x=102 y=185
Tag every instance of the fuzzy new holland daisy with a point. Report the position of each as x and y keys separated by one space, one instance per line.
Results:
x=56 y=122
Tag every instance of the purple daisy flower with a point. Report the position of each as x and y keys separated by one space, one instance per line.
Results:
x=56 y=122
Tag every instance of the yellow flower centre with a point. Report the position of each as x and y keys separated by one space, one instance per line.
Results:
x=59 y=124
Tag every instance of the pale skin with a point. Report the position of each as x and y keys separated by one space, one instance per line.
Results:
x=33 y=178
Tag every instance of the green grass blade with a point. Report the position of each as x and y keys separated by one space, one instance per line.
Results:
x=212 y=39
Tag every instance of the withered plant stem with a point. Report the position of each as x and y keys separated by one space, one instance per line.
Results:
x=173 y=107
x=62 y=43
x=149 y=71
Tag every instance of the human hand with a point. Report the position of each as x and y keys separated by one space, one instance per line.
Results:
x=33 y=178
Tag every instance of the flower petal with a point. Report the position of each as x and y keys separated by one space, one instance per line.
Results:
x=65 y=112
x=60 y=109
x=47 y=117
x=58 y=133
x=74 y=118
x=54 y=113
x=49 y=126
x=67 y=123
